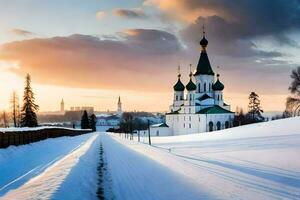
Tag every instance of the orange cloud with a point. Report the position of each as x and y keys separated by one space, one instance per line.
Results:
x=139 y=62
x=182 y=10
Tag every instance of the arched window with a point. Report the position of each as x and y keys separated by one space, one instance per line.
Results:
x=211 y=126
x=226 y=124
x=199 y=86
x=218 y=125
x=204 y=87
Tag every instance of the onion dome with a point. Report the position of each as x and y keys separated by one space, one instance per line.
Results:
x=179 y=87
x=204 y=42
x=191 y=86
x=218 y=86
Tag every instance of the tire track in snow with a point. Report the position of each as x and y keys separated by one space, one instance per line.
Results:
x=44 y=185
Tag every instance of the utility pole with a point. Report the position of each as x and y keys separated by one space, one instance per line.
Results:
x=149 y=132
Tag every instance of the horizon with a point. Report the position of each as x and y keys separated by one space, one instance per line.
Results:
x=70 y=56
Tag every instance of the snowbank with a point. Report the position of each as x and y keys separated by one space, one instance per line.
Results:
x=272 y=128
x=65 y=165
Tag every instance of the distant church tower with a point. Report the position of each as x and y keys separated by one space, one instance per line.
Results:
x=119 y=110
x=62 y=106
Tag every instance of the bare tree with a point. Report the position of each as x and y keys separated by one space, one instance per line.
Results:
x=15 y=106
x=293 y=102
x=5 y=121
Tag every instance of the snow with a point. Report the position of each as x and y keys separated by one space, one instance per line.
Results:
x=65 y=166
x=259 y=161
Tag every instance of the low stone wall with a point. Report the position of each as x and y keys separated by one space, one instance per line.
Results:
x=20 y=137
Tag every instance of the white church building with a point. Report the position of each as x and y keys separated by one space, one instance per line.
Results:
x=199 y=105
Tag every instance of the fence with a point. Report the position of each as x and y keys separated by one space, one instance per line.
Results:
x=20 y=137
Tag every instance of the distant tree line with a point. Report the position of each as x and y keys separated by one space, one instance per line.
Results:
x=131 y=121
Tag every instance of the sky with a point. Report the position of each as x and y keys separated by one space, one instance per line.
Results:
x=90 y=52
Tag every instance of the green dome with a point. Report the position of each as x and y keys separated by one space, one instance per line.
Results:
x=218 y=86
x=179 y=85
x=191 y=86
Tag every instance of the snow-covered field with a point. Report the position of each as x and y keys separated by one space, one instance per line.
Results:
x=260 y=161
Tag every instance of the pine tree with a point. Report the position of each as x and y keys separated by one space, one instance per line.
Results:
x=15 y=109
x=85 y=124
x=254 y=113
x=93 y=122
x=29 y=109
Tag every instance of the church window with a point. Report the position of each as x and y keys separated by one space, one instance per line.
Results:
x=199 y=86
x=226 y=124
x=204 y=87
x=183 y=125
x=218 y=97
x=190 y=126
x=190 y=118
x=218 y=125
x=211 y=126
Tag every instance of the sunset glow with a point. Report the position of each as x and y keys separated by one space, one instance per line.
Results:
x=91 y=54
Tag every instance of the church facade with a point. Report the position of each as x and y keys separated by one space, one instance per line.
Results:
x=199 y=105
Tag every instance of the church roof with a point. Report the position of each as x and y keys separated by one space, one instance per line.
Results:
x=214 y=110
x=205 y=96
x=160 y=125
x=218 y=86
x=203 y=66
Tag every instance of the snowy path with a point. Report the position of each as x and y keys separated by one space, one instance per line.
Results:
x=137 y=177
x=253 y=162
x=51 y=178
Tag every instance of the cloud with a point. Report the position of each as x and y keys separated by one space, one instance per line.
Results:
x=21 y=32
x=138 y=62
x=130 y=13
x=100 y=15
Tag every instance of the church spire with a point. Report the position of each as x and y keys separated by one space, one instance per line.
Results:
x=203 y=66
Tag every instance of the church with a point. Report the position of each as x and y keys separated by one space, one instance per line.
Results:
x=199 y=105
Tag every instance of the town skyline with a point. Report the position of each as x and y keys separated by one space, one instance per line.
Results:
x=70 y=56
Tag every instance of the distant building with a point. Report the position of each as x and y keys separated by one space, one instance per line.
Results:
x=89 y=109
x=119 y=110
x=62 y=106
x=108 y=120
